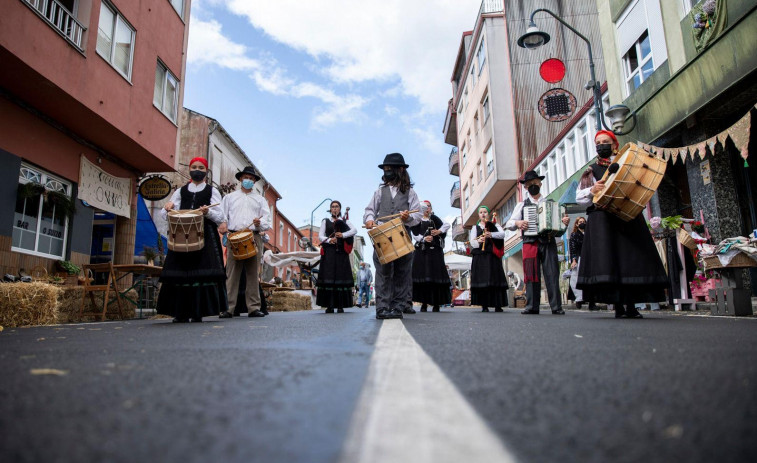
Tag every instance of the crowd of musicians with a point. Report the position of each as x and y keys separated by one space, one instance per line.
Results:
x=612 y=261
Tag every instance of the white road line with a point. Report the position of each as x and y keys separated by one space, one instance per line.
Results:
x=409 y=411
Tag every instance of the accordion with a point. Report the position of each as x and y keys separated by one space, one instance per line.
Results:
x=544 y=219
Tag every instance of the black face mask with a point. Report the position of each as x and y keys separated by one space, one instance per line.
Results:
x=604 y=150
x=581 y=226
x=197 y=175
x=389 y=176
x=534 y=189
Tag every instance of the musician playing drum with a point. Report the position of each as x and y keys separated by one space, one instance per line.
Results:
x=245 y=209
x=335 y=280
x=193 y=283
x=394 y=284
x=488 y=280
x=430 y=278
x=539 y=252
x=619 y=262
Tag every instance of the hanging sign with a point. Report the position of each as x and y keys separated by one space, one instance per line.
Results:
x=104 y=191
x=552 y=70
x=155 y=188
x=557 y=105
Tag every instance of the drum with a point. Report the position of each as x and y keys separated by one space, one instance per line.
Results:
x=391 y=241
x=186 y=231
x=242 y=244
x=628 y=190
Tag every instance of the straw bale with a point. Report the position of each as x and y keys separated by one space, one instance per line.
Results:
x=24 y=304
x=285 y=301
x=70 y=303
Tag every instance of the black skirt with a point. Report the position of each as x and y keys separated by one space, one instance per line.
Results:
x=193 y=284
x=619 y=261
x=335 y=280
x=488 y=281
x=431 y=283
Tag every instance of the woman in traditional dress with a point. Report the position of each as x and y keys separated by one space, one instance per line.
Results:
x=488 y=281
x=193 y=284
x=431 y=284
x=619 y=262
x=335 y=281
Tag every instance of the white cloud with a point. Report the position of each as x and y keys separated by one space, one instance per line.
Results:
x=391 y=110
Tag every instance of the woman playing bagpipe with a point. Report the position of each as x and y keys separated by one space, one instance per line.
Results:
x=430 y=278
x=488 y=281
x=335 y=280
x=193 y=284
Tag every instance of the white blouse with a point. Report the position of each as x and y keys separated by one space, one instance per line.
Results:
x=499 y=234
x=214 y=213
x=322 y=233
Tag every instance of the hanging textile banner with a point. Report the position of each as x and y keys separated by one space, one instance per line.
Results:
x=104 y=191
x=738 y=133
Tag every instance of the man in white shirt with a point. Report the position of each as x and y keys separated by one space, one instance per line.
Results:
x=245 y=209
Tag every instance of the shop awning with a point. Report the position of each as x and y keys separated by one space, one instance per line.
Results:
x=513 y=250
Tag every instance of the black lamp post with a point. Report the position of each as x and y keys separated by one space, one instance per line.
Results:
x=618 y=114
x=311 y=218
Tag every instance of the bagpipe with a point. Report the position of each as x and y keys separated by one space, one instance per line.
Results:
x=497 y=245
x=340 y=226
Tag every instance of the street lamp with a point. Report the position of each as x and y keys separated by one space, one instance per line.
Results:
x=311 y=218
x=618 y=114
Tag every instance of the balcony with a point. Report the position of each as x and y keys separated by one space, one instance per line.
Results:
x=454 y=163
x=450 y=125
x=60 y=19
x=454 y=195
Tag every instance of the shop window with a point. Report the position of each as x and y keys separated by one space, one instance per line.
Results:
x=40 y=224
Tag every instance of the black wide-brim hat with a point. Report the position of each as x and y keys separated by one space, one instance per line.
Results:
x=531 y=175
x=394 y=159
x=248 y=170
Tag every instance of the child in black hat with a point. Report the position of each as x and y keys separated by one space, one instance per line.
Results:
x=394 y=283
x=538 y=251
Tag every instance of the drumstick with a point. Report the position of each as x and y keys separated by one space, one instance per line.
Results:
x=394 y=215
x=211 y=205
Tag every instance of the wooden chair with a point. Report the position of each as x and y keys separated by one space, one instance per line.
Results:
x=109 y=286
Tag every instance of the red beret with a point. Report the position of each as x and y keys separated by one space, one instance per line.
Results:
x=202 y=161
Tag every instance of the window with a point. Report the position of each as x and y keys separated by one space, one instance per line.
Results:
x=584 y=147
x=485 y=106
x=686 y=6
x=562 y=165
x=480 y=171
x=476 y=124
x=481 y=56
x=466 y=198
x=465 y=155
x=40 y=226
x=507 y=209
x=166 y=92
x=551 y=172
x=115 y=40
x=489 y=156
x=178 y=5
x=281 y=233
x=465 y=99
x=289 y=240
x=472 y=75
x=638 y=63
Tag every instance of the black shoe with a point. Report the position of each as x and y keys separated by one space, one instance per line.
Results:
x=484 y=309
x=408 y=310
x=435 y=309
x=424 y=308
x=265 y=312
x=180 y=320
x=593 y=307
x=558 y=312
x=329 y=310
x=620 y=312
x=396 y=313
x=256 y=313
x=632 y=312
x=225 y=314
x=530 y=312
x=339 y=310
x=382 y=314
x=579 y=305
x=498 y=309
x=197 y=320
x=360 y=306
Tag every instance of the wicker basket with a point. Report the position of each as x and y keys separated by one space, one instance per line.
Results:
x=740 y=260
x=685 y=238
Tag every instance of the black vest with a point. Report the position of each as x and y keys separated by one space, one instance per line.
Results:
x=422 y=228
x=191 y=200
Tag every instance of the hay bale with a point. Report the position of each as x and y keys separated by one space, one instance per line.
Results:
x=24 y=304
x=286 y=301
x=70 y=302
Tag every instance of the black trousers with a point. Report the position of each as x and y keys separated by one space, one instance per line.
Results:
x=546 y=261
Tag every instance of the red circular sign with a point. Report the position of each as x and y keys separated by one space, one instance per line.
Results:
x=552 y=70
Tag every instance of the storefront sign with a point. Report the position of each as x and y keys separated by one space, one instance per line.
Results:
x=155 y=188
x=704 y=167
x=104 y=191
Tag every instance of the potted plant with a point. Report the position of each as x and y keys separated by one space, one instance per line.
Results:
x=150 y=254
x=69 y=272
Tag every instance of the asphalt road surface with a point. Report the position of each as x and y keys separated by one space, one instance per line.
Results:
x=459 y=385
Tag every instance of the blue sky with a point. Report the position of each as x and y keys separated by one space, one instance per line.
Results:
x=317 y=92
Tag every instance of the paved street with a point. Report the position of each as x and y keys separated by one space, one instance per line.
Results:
x=310 y=387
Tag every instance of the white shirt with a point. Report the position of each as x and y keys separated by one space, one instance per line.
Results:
x=518 y=211
x=445 y=226
x=322 y=232
x=585 y=197
x=499 y=234
x=413 y=205
x=214 y=213
x=240 y=209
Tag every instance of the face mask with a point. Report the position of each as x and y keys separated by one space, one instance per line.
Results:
x=604 y=150
x=389 y=176
x=247 y=184
x=581 y=226
x=534 y=189
x=197 y=175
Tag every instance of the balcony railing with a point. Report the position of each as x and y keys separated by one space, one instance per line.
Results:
x=454 y=162
x=60 y=19
x=454 y=195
